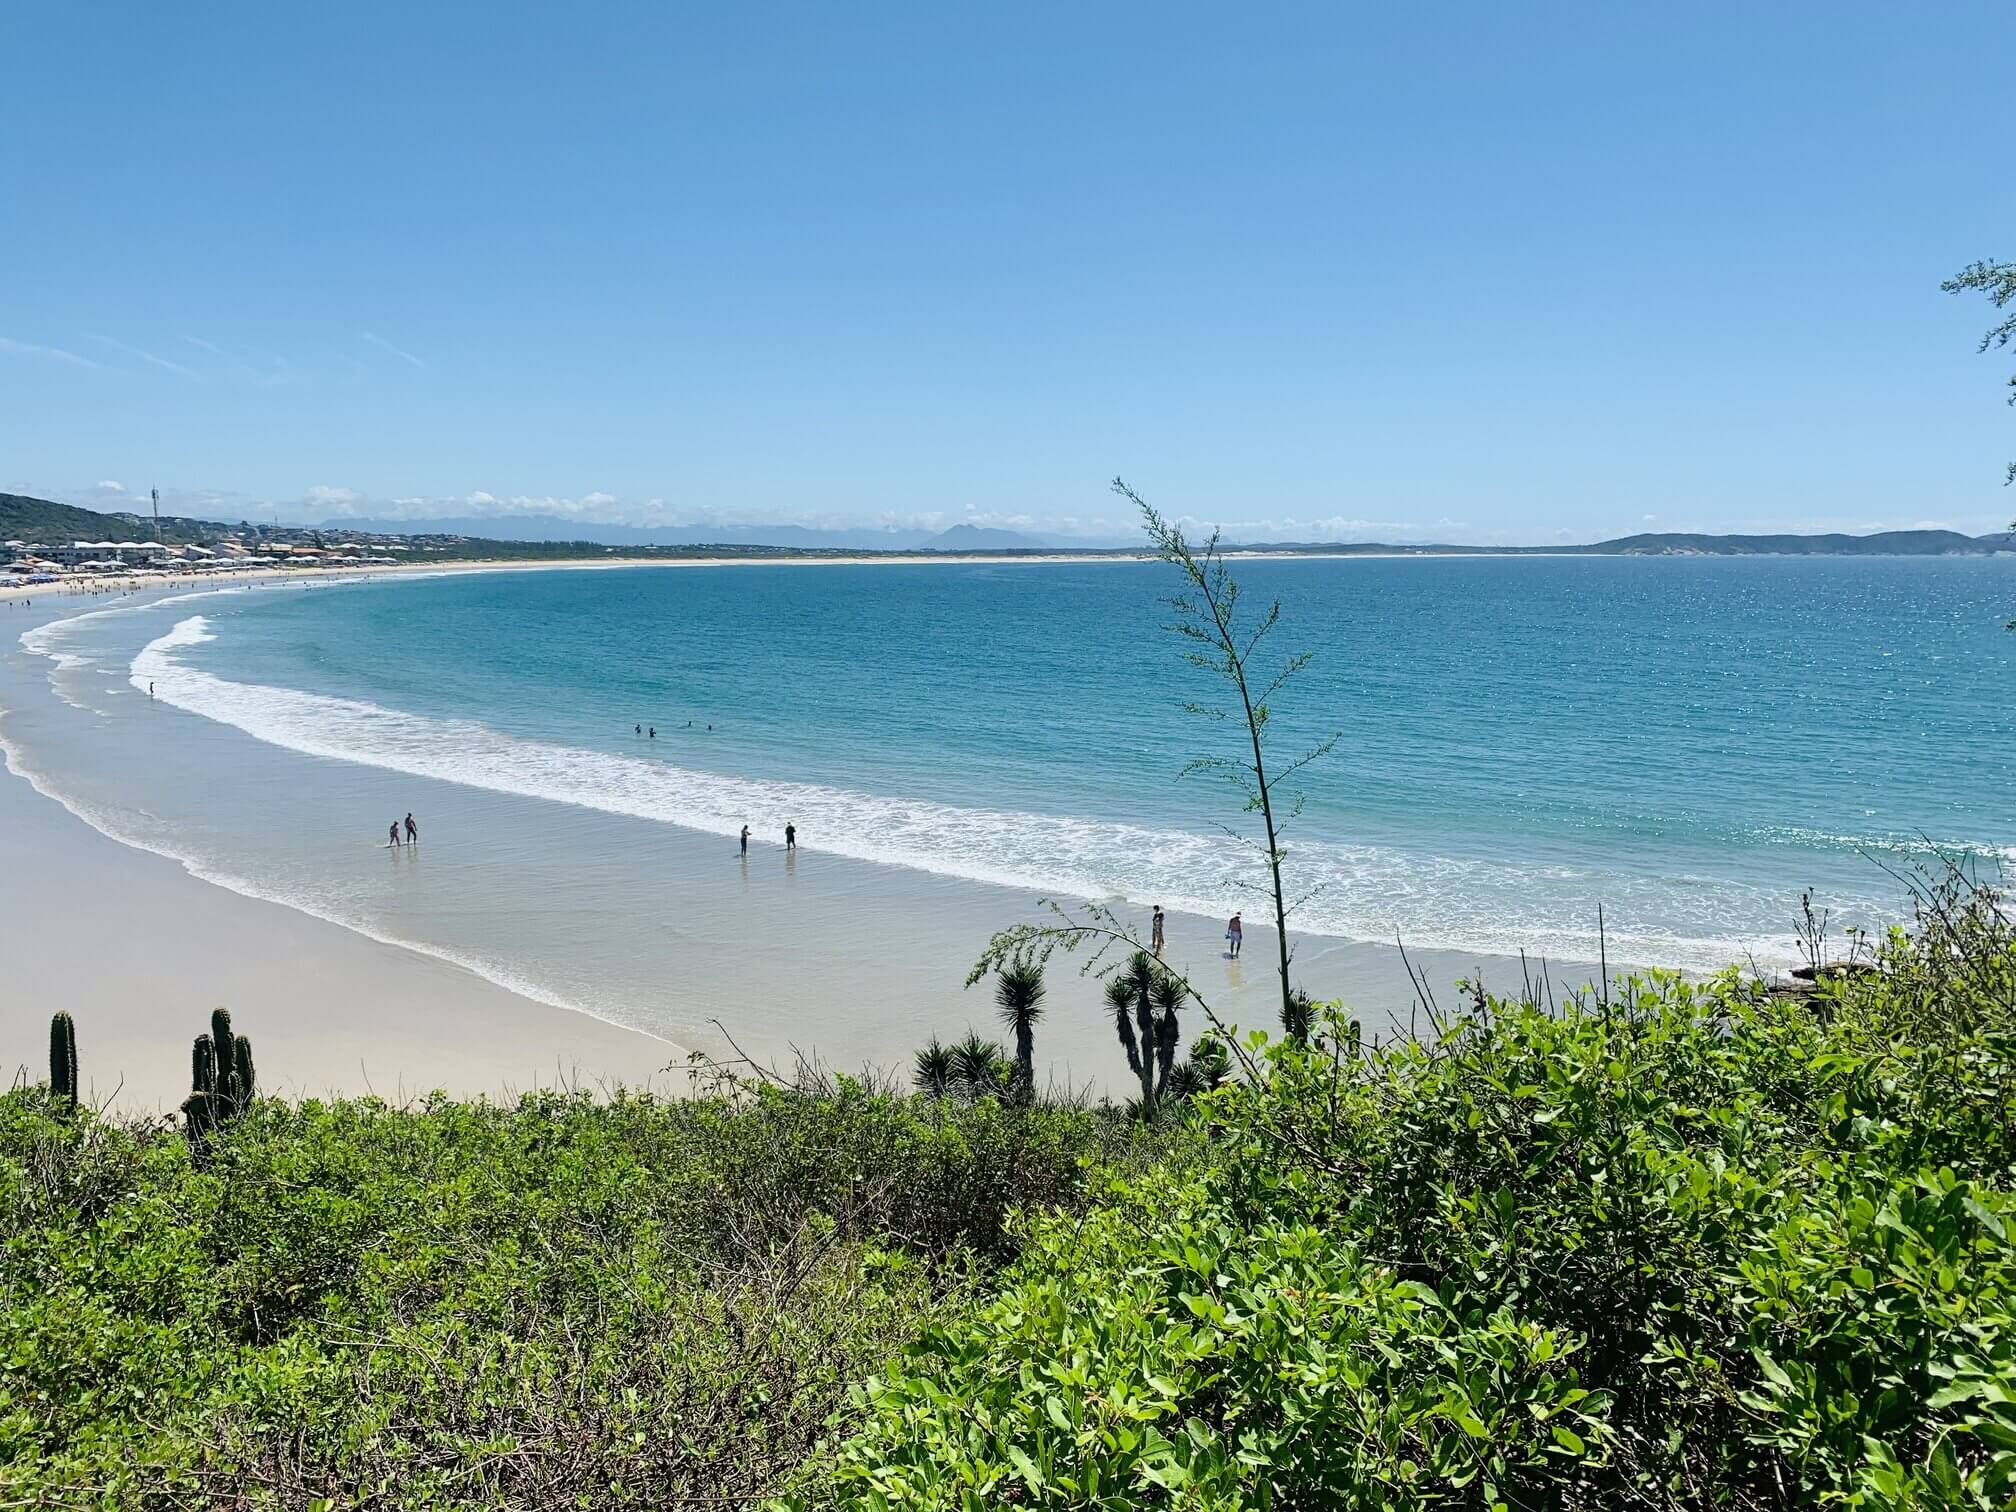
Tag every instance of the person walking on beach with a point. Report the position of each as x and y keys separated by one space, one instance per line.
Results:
x=745 y=842
x=790 y=836
x=1155 y=932
x=1234 y=936
x=395 y=834
x=412 y=831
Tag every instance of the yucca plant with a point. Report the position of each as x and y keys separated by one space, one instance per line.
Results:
x=1018 y=994
x=63 y=1059
x=933 y=1073
x=1146 y=1002
x=978 y=1068
x=1297 y=1012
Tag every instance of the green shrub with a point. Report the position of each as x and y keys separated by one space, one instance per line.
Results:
x=628 y=1302
x=1690 y=1245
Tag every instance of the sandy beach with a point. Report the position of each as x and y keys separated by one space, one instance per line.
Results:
x=139 y=952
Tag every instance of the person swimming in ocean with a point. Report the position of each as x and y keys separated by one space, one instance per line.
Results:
x=640 y=729
x=654 y=733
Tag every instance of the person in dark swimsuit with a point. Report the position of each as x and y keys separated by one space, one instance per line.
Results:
x=790 y=837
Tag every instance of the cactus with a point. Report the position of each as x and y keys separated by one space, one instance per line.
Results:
x=63 y=1059
x=227 y=1065
x=200 y=1109
x=241 y=1049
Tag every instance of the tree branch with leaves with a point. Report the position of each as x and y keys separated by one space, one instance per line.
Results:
x=1221 y=637
x=1997 y=280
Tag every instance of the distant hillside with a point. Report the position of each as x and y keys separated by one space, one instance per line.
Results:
x=43 y=522
x=980 y=538
x=1883 y=543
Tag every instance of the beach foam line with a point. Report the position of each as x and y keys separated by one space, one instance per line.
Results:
x=1366 y=893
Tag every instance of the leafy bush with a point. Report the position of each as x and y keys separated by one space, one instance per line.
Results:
x=459 y=1303
x=1686 y=1245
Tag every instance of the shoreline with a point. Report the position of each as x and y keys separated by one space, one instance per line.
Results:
x=69 y=583
x=413 y=1009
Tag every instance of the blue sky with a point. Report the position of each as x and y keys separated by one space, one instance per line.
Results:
x=1475 y=272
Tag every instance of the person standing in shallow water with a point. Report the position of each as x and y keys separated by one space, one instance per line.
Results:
x=745 y=842
x=790 y=836
x=395 y=834
x=412 y=831
x=1155 y=931
x=1234 y=936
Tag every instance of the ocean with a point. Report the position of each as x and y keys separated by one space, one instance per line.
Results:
x=1687 y=744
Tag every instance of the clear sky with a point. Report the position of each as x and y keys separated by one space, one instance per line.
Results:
x=1476 y=272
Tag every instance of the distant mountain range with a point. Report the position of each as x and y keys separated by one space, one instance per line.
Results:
x=43 y=521
x=536 y=527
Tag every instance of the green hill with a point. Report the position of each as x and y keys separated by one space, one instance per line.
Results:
x=1882 y=543
x=44 y=522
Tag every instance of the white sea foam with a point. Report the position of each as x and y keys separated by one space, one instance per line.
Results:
x=1364 y=892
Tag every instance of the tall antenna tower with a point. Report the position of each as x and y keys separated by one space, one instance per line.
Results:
x=155 y=495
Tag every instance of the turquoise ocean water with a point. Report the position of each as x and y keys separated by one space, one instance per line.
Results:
x=1686 y=742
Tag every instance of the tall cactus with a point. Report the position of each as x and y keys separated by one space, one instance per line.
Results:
x=227 y=1065
x=246 y=1077
x=63 y=1059
x=200 y=1110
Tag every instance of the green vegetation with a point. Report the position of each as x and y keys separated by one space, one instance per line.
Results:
x=1677 y=1246
x=1670 y=1244
x=627 y=1301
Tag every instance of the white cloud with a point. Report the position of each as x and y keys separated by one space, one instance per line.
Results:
x=111 y=486
x=54 y=354
x=399 y=352
x=1650 y=518
x=597 y=500
x=480 y=499
x=322 y=493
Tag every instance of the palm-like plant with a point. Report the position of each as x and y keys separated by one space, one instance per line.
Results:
x=1018 y=994
x=977 y=1068
x=1145 y=1001
x=934 y=1070
x=1167 y=993
x=1297 y=1013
